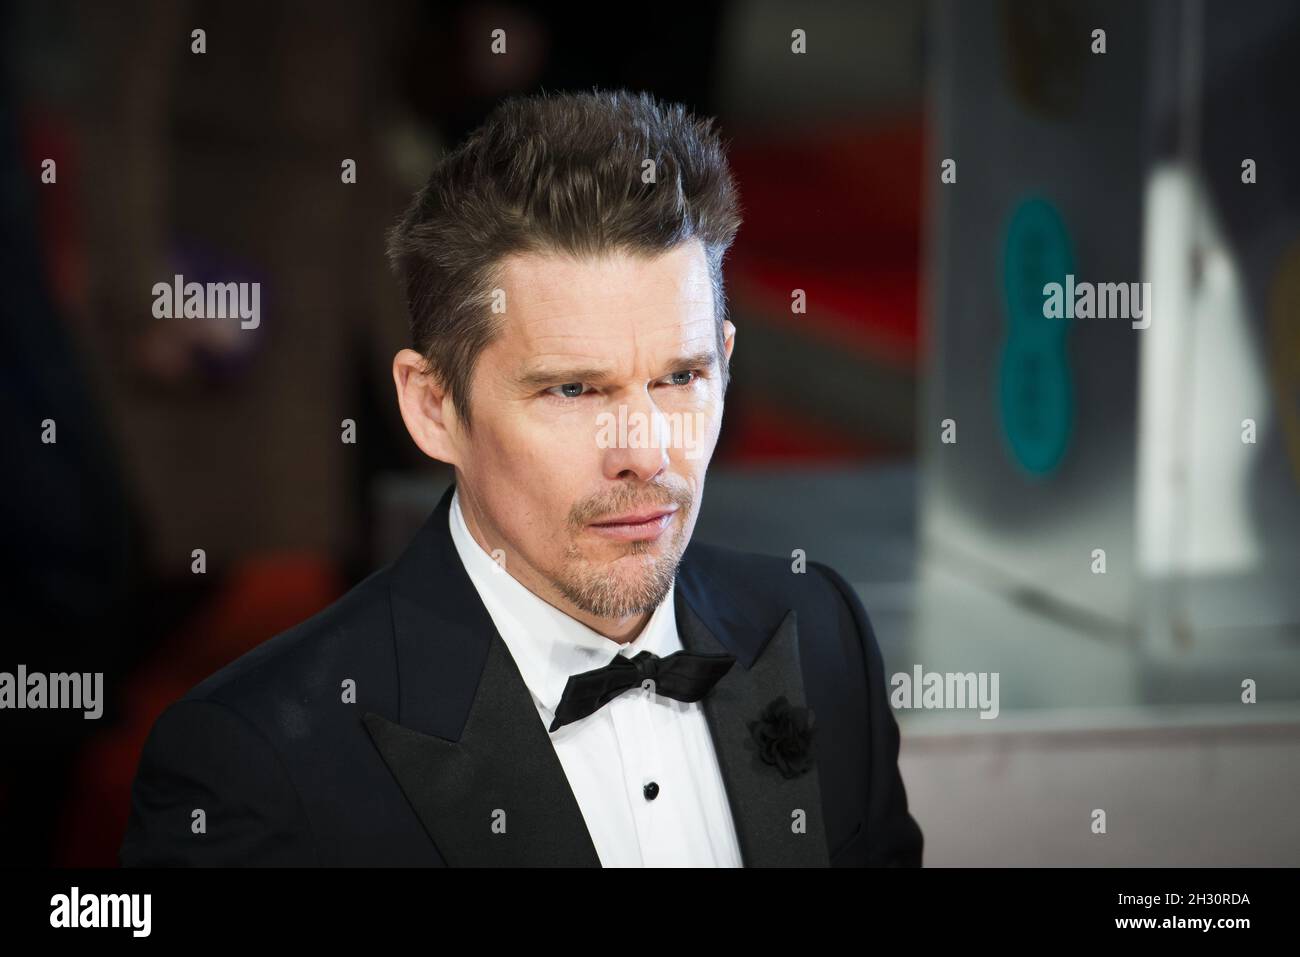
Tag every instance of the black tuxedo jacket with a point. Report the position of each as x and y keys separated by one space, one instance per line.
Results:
x=442 y=738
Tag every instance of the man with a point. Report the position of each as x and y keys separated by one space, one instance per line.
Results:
x=549 y=675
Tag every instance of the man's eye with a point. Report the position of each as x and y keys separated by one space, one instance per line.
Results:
x=686 y=372
x=570 y=390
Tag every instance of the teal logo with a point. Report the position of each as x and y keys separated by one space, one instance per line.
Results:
x=1035 y=394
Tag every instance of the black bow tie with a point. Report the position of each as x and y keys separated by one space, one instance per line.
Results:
x=683 y=675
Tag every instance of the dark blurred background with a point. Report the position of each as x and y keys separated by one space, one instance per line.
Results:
x=1118 y=689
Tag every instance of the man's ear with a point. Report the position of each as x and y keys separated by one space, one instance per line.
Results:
x=728 y=344
x=426 y=408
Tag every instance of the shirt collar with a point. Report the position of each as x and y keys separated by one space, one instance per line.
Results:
x=548 y=645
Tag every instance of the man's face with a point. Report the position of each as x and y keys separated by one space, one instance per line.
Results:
x=600 y=400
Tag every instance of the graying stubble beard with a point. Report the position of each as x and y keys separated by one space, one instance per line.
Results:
x=607 y=596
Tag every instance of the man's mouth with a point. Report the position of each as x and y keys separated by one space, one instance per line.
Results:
x=645 y=524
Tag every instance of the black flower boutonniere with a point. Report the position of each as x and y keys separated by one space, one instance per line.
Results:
x=783 y=734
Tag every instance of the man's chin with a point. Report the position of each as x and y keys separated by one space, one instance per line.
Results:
x=638 y=582
x=631 y=572
x=635 y=563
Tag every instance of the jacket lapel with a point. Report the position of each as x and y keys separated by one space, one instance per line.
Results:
x=498 y=796
x=467 y=747
x=471 y=755
x=765 y=806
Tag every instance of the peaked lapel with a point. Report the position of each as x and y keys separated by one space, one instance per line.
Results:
x=466 y=746
x=477 y=766
x=498 y=796
x=764 y=804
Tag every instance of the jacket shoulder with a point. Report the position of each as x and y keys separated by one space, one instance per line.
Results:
x=308 y=664
x=772 y=584
x=236 y=744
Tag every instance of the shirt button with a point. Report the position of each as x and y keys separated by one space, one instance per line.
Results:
x=651 y=791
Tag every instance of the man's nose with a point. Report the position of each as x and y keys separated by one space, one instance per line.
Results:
x=637 y=445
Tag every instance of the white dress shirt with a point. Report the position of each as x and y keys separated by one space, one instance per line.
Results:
x=637 y=738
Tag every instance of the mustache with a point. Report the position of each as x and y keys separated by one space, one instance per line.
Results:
x=634 y=500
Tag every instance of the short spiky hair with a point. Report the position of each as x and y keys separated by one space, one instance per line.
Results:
x=558 y=173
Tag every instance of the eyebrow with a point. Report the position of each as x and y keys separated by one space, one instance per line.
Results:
x=540 y=378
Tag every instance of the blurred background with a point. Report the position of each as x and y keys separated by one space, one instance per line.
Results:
x=1173 y=451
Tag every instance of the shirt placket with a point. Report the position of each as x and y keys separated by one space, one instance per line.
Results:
x=643 y=763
